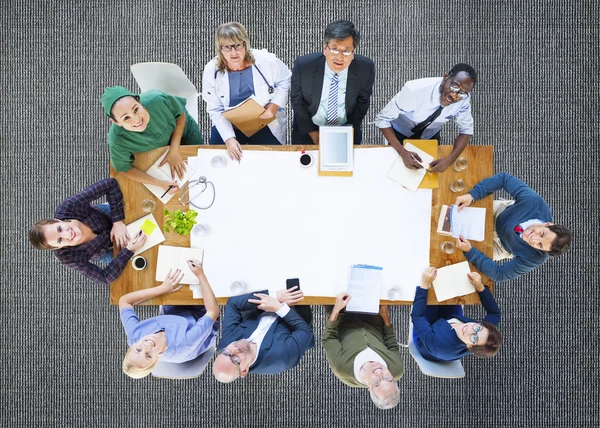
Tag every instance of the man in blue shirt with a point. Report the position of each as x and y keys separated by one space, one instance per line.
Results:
x=525 y=229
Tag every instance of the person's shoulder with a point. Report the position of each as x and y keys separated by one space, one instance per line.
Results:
x=211 y=66
x=363 y=61
x=263 y=55
x=113 y=134
x=307 y=60
x=422 y=83
x=151 y=96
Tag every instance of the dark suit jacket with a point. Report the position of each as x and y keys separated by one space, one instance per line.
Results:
x=284 y=344
x=437 y=341
x=307 y=85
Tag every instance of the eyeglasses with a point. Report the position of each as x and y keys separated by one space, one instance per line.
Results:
x=337 y=51
x=234 y=359
x=473 y=337
x=236 y=47
x=455 y=87
x=383 y=378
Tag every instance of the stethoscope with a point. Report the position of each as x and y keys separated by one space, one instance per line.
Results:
x=185 y=195
x=271 y=88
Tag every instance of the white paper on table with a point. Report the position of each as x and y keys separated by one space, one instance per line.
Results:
x=364 y=287
x=410 y=178
x=468 y=222
x=155 y=238
x=171 y=258
x=164 y=173
x=452 y=281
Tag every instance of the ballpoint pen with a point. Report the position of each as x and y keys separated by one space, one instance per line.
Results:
x=166 y=191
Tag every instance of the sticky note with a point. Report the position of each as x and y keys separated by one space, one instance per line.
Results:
x=148 y=227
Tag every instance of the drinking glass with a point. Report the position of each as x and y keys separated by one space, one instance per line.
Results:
x=394 y=293
x=457 y=186
x=237 y=288
x=447 y=247
x=148 y=205
x=218 y=161
x=460 y=164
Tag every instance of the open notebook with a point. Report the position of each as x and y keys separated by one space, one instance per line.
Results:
x=150 y=227
x=365 y=288
x=176 y=258
x=410 y=178
x=164 y=173
x=452 y=281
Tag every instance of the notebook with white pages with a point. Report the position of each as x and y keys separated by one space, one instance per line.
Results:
x=164 y=173
x=150 y=226
x=171 y=258
x=452 y=281
x=410 y=178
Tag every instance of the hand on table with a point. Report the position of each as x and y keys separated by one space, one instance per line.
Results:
x=266 y=303
x=234 y=149
x=428 y=276
x=463 y=244
x=119 y=235
x=137 y=242
x=411 y=160
x=175 y=162
x=463 y=201
x=439 y=165
x=341 y=300
x=475 y=280
x=290 y=297
x=171 y=282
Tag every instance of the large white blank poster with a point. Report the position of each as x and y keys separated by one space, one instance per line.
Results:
x=274 y=219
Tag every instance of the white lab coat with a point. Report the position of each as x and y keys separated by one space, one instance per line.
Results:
x=215 y=91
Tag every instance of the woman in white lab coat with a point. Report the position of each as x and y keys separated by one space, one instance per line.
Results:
x=235 y=74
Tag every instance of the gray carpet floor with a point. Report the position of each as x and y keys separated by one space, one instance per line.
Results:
x=536 y=103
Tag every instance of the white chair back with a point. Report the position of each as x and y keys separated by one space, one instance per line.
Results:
x=169 y=78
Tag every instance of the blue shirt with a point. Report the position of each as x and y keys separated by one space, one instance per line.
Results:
x=241 y=86
x=186 y=337
x=320 y=117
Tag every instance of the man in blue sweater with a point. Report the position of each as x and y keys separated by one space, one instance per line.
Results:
x=524 y=228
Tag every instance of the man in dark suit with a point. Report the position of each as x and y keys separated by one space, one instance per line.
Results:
x=262 y=334
x=333 y=87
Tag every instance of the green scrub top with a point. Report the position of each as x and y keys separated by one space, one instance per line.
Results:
x=164 y=110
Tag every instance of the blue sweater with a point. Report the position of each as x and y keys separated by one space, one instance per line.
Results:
x=528 y=205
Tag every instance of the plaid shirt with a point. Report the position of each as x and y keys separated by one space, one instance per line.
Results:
x=79 y=207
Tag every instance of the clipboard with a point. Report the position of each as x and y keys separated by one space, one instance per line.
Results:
x=244 y=117
x=430 y=181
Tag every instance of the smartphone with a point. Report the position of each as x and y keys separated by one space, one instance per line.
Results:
x=292 y=282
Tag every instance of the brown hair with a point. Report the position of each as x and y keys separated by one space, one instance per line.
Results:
x=562 y=242
x=135 y=372
x=492 y=345
x=235 y=32
x=36 y=234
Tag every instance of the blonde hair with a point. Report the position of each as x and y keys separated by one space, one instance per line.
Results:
x=135 y=372
x=236 y=33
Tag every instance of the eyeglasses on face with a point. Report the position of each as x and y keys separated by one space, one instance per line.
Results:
x=234 y=359
x=337 y=51
x=383 y=378
x=473 y=337
x=455 y=87
x=236 y=47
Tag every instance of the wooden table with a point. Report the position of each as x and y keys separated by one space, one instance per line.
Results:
x=480 y=160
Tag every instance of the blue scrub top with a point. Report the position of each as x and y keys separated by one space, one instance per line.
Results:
x=241 y=86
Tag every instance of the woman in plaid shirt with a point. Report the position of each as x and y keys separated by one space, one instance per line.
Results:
x=81 y=234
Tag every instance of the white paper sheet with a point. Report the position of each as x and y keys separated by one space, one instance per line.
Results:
x=364 y=286
x=468 y=222
x=155 y=238
x=410 y=178
x=274 y=219
x=164 y=173
x=452 y=281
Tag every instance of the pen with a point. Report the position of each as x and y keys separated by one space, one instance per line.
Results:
x=137 y=236
x=167 y=191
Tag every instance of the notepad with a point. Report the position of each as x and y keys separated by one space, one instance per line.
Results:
x=410 y=178
x=364 y=286
x=245 y=116
x=150 y=227
x=171 y=258
x=164 y=173
x=452 y=281
x=468 y=222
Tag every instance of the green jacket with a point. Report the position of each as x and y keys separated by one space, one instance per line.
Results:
x=343 y=341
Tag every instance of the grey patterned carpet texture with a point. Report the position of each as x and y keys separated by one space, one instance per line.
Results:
x=536 y=102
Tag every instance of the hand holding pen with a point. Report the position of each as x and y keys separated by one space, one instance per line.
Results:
x=196 y=267
x=137 y=242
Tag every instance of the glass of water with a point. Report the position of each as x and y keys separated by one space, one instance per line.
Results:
x=148 y=205
x=447 y=247
x=460 y=164
x=237 y=288
x=457 y=186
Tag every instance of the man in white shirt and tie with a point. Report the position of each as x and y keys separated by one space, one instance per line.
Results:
x=332 y=87
x=422 y=107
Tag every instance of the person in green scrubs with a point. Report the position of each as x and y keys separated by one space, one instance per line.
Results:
x=144 y=122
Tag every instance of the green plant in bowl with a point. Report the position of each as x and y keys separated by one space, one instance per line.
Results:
x=180 y=222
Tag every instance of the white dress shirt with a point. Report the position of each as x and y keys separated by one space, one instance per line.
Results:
x=264 y=324
x=320 y=117
x=417 y=100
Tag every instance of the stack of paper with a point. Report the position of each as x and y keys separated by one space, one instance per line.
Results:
x=452 y=281
x=164 y=173
x=150 y=227
x=410 y=178
x=468 y=222
x=171 y=258
x=365 y=288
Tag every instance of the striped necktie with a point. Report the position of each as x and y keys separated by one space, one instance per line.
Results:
x=332 y=101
